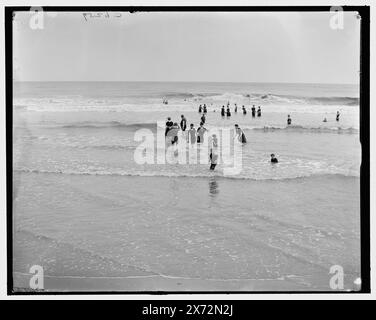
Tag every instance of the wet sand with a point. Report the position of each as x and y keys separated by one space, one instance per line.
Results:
x=111 y=233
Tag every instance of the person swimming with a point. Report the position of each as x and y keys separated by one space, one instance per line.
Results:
x=192 y=134
x=223 y=112
x=228 y=112
x=200 y=133
x=183 y=123
x=288 y=120
x=259 y=111
x=244 y=110
x=239 y=134
x=253 y=111
x=200 y=109
x=169 y=124
x=273 y=158
x=337 y=116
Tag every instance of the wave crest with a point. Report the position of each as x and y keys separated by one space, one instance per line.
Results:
x=173 y=175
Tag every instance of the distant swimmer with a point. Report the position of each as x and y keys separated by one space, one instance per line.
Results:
x=236 y=108
x=200 y=133
x=253 y=111
x=228 y=112
x=200 y=109
x=223 y=111
x=205 y=110
x=239 y=134
x=244 y=110
x=325 y=120
x=337 y=116
x=192 y=134
x=169 y=124
x=203 y=119
x=213 y=152
x=288 y=120
x=259 y=111
x=183 y=123
x=273 y=158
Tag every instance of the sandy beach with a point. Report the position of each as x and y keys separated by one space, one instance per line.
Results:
x=123 y=233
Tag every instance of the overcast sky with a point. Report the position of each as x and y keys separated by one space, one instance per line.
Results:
x=224 y=47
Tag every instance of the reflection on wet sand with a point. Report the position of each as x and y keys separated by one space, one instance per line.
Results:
x=213 y=187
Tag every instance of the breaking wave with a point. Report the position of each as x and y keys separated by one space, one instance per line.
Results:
x=175 y=175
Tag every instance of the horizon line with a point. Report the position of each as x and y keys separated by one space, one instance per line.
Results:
x=185 y=81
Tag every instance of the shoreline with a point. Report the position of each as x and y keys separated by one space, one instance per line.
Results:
x=155 y=284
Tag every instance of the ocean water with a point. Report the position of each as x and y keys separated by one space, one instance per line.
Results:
x=80 y=197
x=89 y=128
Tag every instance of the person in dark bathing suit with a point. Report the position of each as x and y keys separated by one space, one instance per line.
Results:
x=223 y=111
x=203 y=119
x=169 y=124
x=213 y=152
x=240 y=134
x=253 y=111
x=183 y=123
x=173 y=133
x=200 y=133
x=273 y=158
x=228 y=112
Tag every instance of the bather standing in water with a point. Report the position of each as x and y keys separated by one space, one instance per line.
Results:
x=192 y=134
x=183 y=123
x=200 y=133
x=223 y=111
x=169 y=124
x=259 y=111
x=239 y=134
x=213 y=157
x=173 y=133
x=203 y=119
x=288 y=120
x=253 y=111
